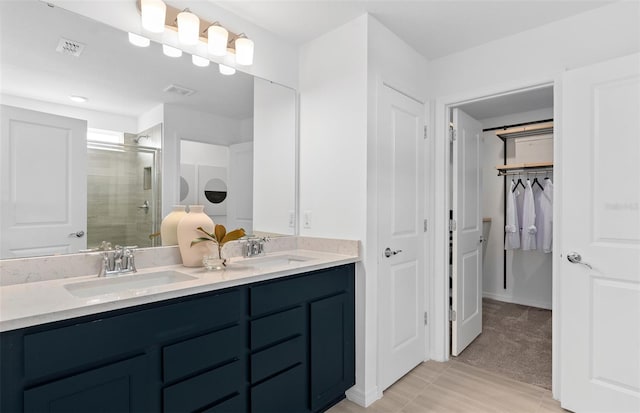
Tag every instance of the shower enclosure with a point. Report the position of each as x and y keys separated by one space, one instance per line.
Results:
x=123 y=193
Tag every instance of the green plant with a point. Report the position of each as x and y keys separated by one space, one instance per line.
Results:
x=219 y=236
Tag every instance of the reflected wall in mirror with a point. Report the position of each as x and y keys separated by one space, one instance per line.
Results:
x=56 y=195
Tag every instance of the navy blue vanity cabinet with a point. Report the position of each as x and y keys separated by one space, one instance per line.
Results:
x=302 y=341
x=284 y=346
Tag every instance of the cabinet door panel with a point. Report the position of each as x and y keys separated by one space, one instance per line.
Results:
x=118 y=387
x=332 y=349
x=277 y=358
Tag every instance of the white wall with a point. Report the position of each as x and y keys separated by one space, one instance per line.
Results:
x=95 y=119
x=528 y=272
x=274 y=58
x=181 y=123
x=274 y=157
x=540 y=53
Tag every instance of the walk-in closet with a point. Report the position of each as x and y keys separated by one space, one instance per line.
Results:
x=501 y=234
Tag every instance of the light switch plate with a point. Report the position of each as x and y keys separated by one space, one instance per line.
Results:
x=307 y=219
x=292 y=219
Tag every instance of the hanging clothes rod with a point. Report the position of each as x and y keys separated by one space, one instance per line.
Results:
x=515 y=125
x=525 y=172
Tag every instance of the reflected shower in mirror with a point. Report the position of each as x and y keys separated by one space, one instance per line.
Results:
x=152 y=103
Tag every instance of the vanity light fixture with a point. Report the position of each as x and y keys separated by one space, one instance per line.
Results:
x=218 y=38
x=188 y=28
x=153 y=13
x=244 y=50
x=220 y=41
x=199 y=61
x=137 y=40
x=78 y=99
x=226 y=70
x=171 y=51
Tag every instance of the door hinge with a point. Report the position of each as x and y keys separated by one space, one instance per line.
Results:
x=452 y=314
x=426 y=318
x=426 y=225
x=452 y=225
x=425 y=131
x=452 y=134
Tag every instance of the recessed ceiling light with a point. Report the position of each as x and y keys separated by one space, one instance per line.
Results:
x=200 y=61
x=137 y=40
x=79 y=99
x=171 y=51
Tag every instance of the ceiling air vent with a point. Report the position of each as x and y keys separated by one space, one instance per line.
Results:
x=179 y=90
x=70 y=47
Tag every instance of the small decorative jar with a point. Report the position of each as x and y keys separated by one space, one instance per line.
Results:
x=188 y=231
x=169 y=226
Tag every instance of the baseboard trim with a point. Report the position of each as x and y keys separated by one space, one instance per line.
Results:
x=362 y=398
x=516 y=300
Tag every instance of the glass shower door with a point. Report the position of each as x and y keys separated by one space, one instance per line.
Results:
x=123 y=195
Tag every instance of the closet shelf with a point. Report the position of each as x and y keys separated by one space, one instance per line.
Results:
x=535 y=129
x=530 y=165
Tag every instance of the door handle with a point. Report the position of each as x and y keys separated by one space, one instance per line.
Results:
x=388 y=253
x=575 y=258
x=78 y=234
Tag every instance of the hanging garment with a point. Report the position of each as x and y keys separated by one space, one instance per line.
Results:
x=528 y=241
x=511 y=225
x=538 y=199
x=546 y=208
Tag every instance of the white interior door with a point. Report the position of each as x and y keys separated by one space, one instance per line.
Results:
x=43 y=184
x=467 y=232
x=600 y=220
x=240 y=207
x=401 y=234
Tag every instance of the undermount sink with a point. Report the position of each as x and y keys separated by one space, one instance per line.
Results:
x=121 y=283
x=276 y=260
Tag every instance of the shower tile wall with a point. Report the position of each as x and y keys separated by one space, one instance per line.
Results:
x=115 y=191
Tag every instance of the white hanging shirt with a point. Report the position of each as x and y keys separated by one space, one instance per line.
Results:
x=546 y=208
x=538 y=195
x=528 y=225
x=511 y=225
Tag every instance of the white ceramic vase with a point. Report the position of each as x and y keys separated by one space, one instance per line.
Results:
x=169 y=226
x=188 y=231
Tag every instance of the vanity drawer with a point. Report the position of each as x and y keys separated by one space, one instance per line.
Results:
x=200 y=353
x=204 y=389
x=277 y=358
x=269 y=329
x=236 y=404
x=97 y=338
x=271 y=296
x=285 y=393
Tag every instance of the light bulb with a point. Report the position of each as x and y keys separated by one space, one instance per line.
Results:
x=137 y=40
x=188 y=28
x=244 y=51
x=171 y=51
x=77 y=98
x=199 y=61
x=218 y=39
x=153 y=15
x=226 y=70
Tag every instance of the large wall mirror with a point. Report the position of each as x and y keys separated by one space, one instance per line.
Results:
x=154 y=131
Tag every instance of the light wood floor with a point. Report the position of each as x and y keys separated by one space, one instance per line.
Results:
x=456 y=387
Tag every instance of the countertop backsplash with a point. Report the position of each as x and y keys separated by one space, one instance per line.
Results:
x=33 y=269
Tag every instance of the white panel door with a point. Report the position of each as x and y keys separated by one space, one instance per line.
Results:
x=43 y=185
x=467 y=234
x=600 y=221
x=240 y=208
x=400 y=220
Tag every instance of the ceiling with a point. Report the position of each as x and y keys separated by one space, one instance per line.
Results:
x=434 y=28
x=116 y=76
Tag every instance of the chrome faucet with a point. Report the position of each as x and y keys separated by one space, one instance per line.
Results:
x=254 y=246
x=121 y=260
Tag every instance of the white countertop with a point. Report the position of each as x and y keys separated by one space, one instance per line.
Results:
x=34 y=303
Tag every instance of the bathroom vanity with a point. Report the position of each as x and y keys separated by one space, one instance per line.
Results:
x=282 y=341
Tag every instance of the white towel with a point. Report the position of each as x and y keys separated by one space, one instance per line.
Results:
x=511 y=225
x=528 y=241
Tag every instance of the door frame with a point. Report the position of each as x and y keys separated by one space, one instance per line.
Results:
x=438 y=299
